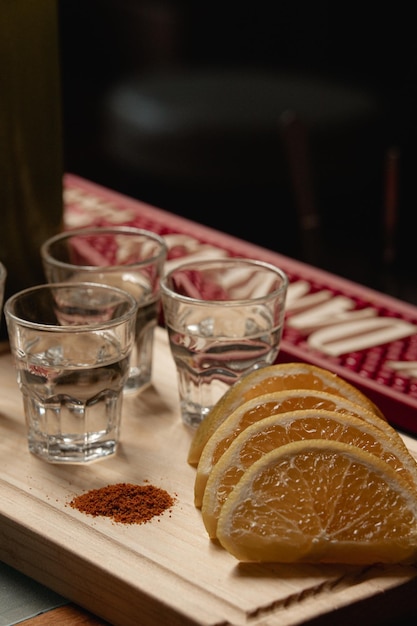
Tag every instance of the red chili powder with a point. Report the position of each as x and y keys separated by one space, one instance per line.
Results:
x=125 y=503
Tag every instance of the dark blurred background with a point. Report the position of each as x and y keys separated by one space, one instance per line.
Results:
x=121 y=128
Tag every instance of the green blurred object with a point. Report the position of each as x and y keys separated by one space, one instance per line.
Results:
x=31 y=159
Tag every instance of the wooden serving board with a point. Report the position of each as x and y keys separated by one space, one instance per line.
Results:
x=166 y=571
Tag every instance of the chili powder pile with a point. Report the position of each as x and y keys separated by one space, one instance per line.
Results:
x=125 y=503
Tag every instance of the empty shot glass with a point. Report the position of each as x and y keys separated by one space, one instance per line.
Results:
x=71 y=344
x=224 y=319
x=126 y=257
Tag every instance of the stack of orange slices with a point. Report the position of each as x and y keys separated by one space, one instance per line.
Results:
x=295 y=464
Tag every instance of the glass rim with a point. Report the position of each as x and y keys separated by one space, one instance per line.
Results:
x=206 y=263
x=161 y=254
x=129 y=314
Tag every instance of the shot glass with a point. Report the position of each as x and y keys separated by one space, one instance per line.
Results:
x=3 y=276
x=224 y=319
x=71 y=344
x=126 y=257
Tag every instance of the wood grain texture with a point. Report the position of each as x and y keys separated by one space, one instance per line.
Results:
x=165 y=571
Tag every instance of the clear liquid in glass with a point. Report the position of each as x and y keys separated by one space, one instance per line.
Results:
x=72 y=397
x=207 y=365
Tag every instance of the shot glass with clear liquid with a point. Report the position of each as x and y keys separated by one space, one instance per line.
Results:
x=224 y=319
x=123 y=256
x=3 y=276
x=71 y=344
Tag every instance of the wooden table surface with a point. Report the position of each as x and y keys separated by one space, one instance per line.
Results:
x=68 y=615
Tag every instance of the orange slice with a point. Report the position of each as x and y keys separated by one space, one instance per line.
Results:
x=277 y=430
x=266 y=380
x=320 y=501
x=262 y=406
